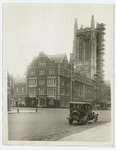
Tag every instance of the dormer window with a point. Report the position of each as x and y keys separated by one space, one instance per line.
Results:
x=41 y=64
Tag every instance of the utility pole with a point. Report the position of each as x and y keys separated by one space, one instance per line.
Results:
x=37 y=98
x=36 y=103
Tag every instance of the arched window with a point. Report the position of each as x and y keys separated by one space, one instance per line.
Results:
x=80 y=49
x=87 y=51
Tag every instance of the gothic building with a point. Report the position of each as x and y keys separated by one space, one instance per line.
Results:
x=51 y=78
x=53 y=81
x=88 y=49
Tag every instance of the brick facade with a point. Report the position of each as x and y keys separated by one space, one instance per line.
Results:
x=49 y=78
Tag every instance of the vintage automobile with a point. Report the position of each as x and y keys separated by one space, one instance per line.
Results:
x=81 y=112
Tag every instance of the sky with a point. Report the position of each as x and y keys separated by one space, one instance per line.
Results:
x=31 y=28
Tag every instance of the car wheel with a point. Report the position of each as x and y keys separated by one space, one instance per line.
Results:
x=96 y=118
x=70 y=121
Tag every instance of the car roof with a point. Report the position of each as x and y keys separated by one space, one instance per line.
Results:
x=80 y=103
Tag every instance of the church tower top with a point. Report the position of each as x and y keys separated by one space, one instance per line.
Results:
x=92 y=21
x=75 y=25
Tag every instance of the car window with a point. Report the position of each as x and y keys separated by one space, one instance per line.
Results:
x=81 y=106
x=77 y=106
x=86 y=106
x=74 y=106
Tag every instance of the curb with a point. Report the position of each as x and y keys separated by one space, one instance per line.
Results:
x=22 y=112
x=97 y=134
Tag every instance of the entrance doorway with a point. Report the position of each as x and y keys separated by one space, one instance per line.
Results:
x=42 y=102
x=16 y=103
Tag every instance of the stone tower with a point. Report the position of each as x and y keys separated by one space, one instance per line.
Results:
x=85 y=49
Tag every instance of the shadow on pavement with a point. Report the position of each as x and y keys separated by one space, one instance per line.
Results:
x=75 y=128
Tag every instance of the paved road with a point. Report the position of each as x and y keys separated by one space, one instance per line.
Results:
x=47 y=125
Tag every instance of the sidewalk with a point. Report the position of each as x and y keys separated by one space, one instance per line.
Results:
x=23 y=111
x=31 y=110
x=97 y=134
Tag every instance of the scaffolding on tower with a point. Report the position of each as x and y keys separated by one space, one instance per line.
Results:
x=100 y=48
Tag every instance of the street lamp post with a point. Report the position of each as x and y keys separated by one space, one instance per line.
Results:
x=36 y=103
x=37 y=97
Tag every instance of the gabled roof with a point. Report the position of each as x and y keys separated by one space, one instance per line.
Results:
x=57 y=57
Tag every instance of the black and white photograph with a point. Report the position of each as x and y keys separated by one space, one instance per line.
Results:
x=58 y=74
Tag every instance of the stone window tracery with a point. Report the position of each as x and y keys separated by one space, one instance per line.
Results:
x=86 y=50
x=80 y=49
